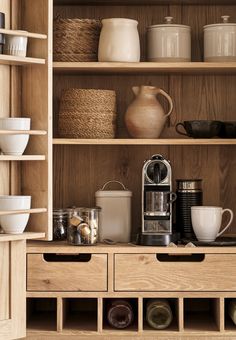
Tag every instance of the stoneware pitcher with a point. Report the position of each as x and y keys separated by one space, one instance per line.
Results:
x=145 y=117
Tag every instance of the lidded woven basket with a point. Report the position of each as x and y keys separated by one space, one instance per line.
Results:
x=87 y=113
x=76 y=39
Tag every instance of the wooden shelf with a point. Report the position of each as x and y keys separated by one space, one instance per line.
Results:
x=23 y=158
x=143 y=2
x=23 y=236
x=145 y=67
x=18 y=61
x=130 y=141
x=27 y=211
x=23 y=33
x=23 y=132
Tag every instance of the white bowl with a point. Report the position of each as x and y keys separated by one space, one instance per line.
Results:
x=14 y=224
x=14 y=144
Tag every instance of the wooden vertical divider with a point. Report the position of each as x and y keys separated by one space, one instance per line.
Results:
x=100 y=315
x=140 y=314
x=180 y=314
x=219 y=313
x=60 y=314
x=110 y=269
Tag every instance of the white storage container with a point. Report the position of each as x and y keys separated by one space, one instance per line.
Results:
x=220 y=41
x=169 y=42
x=115 y=215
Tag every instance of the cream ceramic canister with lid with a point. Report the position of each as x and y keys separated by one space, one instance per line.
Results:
x=119 y=41
x=220 y=41
x=169 y=42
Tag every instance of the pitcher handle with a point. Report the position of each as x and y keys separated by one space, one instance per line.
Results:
x=174 y=197
x=230 y=221
x=178 y=131
x=169 y=101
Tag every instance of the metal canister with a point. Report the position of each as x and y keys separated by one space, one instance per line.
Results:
x=60 y=217
x=83 y=226
x=189 y=193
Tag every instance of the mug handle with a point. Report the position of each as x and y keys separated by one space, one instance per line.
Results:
x=178 y=131
x=174 y=198
x=230 y=221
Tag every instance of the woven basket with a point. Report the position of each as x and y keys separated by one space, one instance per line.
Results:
x=87 y=114
x=83 y=100
x=76 y=39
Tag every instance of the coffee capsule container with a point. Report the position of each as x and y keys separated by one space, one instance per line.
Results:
x=220 y=41
x=189 y=194
x=2 y=25
x=83 y=226
x=169 y=42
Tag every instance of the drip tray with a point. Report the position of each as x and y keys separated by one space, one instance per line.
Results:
x=220 y=242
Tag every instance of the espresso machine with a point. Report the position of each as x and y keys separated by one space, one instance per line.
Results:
x=157 y=200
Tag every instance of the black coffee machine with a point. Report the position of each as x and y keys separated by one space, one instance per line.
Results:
x=157 y=200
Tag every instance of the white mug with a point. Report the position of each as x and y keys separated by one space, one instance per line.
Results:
x=206 y=222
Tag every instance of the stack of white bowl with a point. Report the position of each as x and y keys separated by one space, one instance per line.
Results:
x=14 y=145
x=14 y=224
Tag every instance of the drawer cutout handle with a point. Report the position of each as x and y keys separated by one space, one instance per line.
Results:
x=180 y=257
x=67 y=257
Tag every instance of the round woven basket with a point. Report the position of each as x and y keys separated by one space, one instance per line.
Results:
x=87 y=113
x=76 y=39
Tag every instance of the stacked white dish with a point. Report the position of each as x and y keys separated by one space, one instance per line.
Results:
x=14 y=224
x=14 y=145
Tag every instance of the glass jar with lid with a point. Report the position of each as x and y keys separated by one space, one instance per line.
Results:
x=60 y=218
x=83 y=226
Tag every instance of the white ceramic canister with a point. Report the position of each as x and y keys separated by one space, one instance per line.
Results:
x=115 y=215
x=220 y=41
x=169 y=42
x=16 y=45
x=119 y=41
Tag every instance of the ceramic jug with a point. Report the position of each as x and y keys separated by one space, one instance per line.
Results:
x=119 y=41
x=145 y=117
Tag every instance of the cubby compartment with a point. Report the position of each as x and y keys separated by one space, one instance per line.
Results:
x=201 y=314
x=229 y=324
x=174 y=306
x=107 y=303
x=41 y=314
x=80 y=314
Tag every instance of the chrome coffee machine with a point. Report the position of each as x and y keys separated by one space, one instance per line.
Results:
x=157 y=200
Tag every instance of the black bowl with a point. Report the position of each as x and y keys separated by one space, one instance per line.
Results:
x=228 y=130
x=200 y=128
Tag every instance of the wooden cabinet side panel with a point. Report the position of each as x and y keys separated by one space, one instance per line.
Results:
x=4 y=280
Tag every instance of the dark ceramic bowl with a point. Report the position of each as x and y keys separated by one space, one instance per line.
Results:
x=228 y=130
x=200 y=128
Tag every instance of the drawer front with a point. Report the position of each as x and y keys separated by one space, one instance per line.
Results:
x=151 y=272
x=54 y=272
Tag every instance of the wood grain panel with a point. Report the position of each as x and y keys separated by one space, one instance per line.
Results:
x=4 y=280
x=134 y=272
x=56 y=276
x=36 y=103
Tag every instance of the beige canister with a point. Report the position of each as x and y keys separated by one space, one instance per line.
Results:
x=220 y=41
x=115 y=215
x=169 y=42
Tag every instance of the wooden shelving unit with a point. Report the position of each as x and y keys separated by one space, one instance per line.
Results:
x=20 y=61
x=23 y=33
x=23 y=132
x=130 y=141
x=23 y=158
x=28 y=211
x=144 y=67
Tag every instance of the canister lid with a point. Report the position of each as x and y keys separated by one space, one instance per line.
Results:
x=224 y=23
x=169 y=23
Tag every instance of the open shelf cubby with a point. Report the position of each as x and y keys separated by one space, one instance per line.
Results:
x=133 y=327
x=42 y=314
x=229 y=324
x=80 y=314
x=201 y=314
x=175 y=312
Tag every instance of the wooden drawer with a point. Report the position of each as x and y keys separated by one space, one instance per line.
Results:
x=163 y=272
x=67 y=272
